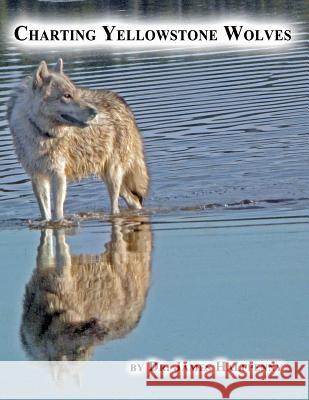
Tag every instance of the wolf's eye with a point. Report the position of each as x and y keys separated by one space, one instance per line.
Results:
x=67 y=96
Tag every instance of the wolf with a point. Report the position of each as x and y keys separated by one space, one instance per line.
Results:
x=62 y=133
x=74 y=302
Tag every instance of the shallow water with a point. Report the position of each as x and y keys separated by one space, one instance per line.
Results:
x=226 y=139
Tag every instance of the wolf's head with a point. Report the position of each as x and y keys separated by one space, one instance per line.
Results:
x=57 y=100
x=54 y=337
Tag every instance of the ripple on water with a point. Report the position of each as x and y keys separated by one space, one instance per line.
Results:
x=219 y=127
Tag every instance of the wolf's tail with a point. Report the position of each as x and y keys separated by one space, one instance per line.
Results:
x=136 y=180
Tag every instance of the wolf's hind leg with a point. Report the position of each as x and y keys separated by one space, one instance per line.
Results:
x=113 y=179
x=119 y=251
x=41 y=188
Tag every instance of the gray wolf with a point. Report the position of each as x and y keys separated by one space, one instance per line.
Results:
x=74 y=302
x=62 y=133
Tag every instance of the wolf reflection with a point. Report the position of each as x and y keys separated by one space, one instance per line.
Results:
x=73 y=302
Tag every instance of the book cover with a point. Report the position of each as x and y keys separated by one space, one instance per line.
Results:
x=154 y=195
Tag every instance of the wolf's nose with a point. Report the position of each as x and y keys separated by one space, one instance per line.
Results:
x=92 y=112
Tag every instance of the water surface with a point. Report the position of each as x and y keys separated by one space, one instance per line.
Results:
x=219 y=126
x=234 y=288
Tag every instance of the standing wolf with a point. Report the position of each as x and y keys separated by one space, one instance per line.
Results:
x=62 y=133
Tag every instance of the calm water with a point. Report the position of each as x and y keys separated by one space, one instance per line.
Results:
x=235 y=289
x=226 y=139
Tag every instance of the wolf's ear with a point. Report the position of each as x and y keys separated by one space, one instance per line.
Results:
x=59 y=66
x=40 y=75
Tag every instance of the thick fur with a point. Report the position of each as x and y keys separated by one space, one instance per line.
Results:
x=75 y=302
x=63 y=133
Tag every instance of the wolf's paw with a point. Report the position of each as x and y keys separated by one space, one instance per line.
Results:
x=68 y=222
x=38 y=224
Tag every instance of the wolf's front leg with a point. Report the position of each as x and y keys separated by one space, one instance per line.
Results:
x=59 y=183
x=63 y=255
x=45 y=253
x=41 y=188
